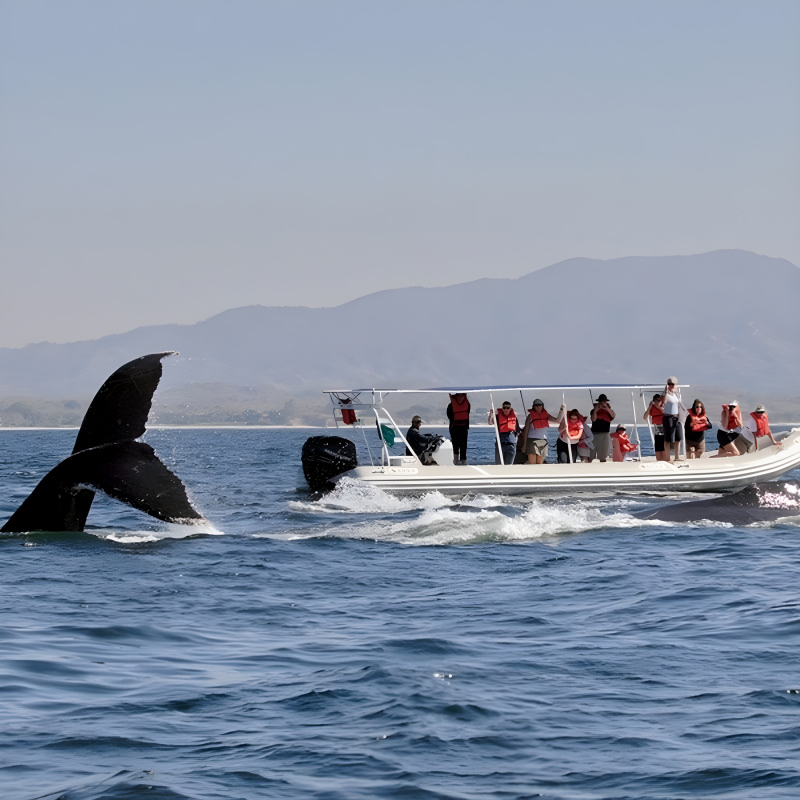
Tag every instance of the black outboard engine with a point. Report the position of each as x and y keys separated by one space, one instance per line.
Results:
x=324 y=457
x=432 y=442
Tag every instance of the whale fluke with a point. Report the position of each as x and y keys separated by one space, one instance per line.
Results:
x=760 y=502
x=107 y=458
x=120 y=408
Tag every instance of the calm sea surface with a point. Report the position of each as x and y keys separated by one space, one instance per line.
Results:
x=374 y=647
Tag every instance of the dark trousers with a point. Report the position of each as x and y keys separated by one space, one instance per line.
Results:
x=458 y=436
x=508 y=442
x=563 y=452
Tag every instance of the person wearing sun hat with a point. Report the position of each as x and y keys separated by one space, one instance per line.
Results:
x=755 y=426
x=602 y=415
x=534 y=436
x=730 y=426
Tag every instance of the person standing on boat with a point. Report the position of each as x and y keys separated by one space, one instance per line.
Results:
x=695 y=427
x=458 y=413
x=655 y=413
x=602 y=416
x=757 y=425
x=673 y=431
x=417 y=441
x=507 y=426
x=534 y=438
x=730 y=426
x=570 y=431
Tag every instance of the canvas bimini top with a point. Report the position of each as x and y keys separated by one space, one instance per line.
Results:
x=510 y=388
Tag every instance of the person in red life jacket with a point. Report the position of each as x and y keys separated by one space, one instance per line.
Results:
x=570 y=430
x=655 y=414
x=754 y=427
x=534 y=434
x=695 y=427
x=623 y=446
x=730 y=426
x=458 y=413
x=507 y=426
x=602 y=415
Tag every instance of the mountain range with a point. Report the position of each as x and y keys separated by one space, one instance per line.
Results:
x=722 y=319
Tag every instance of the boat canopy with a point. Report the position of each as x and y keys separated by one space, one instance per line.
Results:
x=510 y=388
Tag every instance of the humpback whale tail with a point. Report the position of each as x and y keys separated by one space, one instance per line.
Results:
x=107 y=458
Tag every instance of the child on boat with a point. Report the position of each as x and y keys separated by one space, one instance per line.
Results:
x=623 y=446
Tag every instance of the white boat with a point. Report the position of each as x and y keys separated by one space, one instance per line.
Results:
x=366 y=409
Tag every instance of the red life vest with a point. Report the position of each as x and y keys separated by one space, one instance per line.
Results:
x=601 y=413
x=348 y=415
x=506 y=423
x=575 y=427
x=540 y=419
x=625 y=444
x=698 y=422
x=656 y=416
x=460 y=410
x=734 y=419
x=762 y=423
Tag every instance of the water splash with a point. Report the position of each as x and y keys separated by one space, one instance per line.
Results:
x=168 y=531
x=434 y=519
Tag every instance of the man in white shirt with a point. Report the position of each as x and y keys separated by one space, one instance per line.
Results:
x=673 y=430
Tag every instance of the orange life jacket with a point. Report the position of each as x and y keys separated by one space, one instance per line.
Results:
x=698 y=422
x=625 y=444
x=506 y=423
x=656 y=416
x=460 y=410
x=762 y=423
x=575 y=427
x=734 y=419
x=601 y=413
x=540 y=419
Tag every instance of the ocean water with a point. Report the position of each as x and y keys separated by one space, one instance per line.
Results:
x=366 y=646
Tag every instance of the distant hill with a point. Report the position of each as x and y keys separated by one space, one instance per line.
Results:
x=725 y=318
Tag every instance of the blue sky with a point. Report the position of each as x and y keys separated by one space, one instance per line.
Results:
x=164 y=160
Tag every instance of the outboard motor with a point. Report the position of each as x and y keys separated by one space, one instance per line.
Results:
x=438 y=450
x=324 y=457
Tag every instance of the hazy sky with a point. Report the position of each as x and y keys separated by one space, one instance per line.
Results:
x=163 y=160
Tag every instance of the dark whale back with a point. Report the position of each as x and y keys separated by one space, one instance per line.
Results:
x=759 y=502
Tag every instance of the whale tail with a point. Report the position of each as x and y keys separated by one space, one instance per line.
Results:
x=107 y=458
